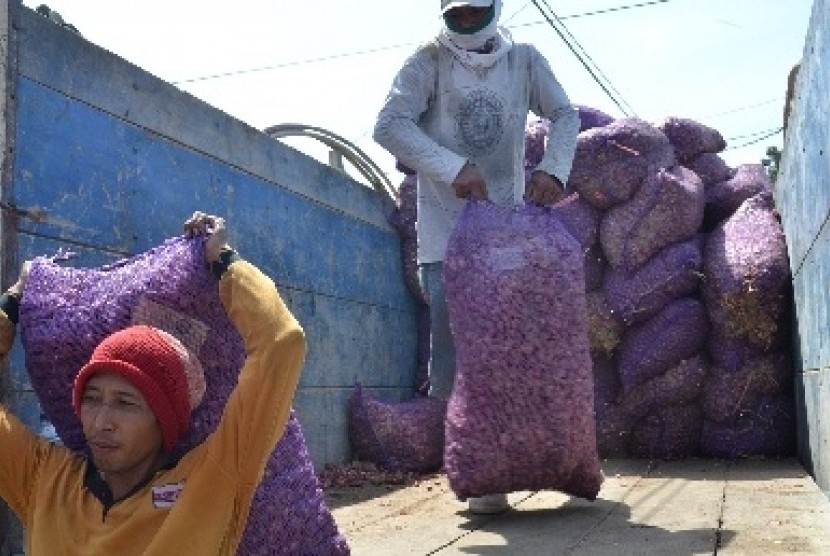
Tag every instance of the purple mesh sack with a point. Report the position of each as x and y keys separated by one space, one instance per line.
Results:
x=728 y=396
x=768 y=429
x=690 y=138
x=605 y=327
x=667 y=209
x=672 y=273
x=680 y=385
x=710 y=168
x=747 y=275
x=595 y=266
x=520 y=416
x=67 y=311
x=649 y=349
x=724 y=198
x=669 y=433
x=579 y=218
x=403 y=219
x=590 y=118
x=612 y=161
x=397 y=436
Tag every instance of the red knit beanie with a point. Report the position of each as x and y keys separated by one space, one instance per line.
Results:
x=156 y=364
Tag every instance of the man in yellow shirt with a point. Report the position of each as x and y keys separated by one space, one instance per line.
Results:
x=134 y=398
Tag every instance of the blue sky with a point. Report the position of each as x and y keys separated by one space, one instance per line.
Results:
x=329 y=63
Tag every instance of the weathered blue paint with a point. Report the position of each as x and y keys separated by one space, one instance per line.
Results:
x=117 y=159
x=803 y=200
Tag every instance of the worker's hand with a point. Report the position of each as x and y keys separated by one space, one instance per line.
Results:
x=212 y=226
x=544 y=189
x=17 y=288
x=469 y=183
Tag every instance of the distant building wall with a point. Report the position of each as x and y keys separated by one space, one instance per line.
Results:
x=803 y=200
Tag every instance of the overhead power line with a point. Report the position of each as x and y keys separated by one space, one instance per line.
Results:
x=598 y=12
x=759 y=136
x=341 y=55
x=570 y=41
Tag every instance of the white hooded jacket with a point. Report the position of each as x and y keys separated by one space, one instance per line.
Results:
x=448 y=105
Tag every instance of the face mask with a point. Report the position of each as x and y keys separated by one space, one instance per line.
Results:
x=485 y=21
x=471 y=39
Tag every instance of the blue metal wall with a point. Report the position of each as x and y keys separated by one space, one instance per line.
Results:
x=117 y=159
x=803 y=199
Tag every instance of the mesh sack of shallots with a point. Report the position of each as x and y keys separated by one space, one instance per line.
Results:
x=612 y=161
x=724 y=198
x=690 y=138
x=766 y=429
x=520 y=416
x=680 y=385
x=649 y=349
x=670 y=274
x=711 y=168
x=605 y=327
x=669 y=433
x=397 y=436
x=67 y=311
x=403 y=219
x=667 y=208
x=728 y=396
x=747 y=276
x=579 y=218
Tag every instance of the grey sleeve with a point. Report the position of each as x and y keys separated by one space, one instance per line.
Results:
x=549 y=100
x=397 y=130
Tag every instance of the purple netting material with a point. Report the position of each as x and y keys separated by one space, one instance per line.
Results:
x=680 y=385
x=606 y=383
x=403 y=219
x=605 y=327
x=667 y=209
x=595 y=266
x=520 y=416
x=590 y=118
x=747 y=274
x=711 y=168
x=724 y=198
x=398 y=436
x=669 y=433
x=612 y=161
x=68 y=311
x=690 y=138
x=579 y=218
x=767 y=430
x=730 y=395
x=672 y=273
x=649 y=349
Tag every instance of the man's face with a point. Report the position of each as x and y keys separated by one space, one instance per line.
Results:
x=120 y=428
x=466 y=17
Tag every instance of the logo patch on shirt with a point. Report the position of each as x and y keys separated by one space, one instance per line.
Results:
x=480 y=122
x=164 y=496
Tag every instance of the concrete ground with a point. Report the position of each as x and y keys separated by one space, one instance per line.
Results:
x=750 y=507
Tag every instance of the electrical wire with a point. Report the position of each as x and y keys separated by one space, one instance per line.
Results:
x=392 y=47
x=599 y=77
x=766 y=135
x=598 y=12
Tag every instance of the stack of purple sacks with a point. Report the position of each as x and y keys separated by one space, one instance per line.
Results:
x=689 y=292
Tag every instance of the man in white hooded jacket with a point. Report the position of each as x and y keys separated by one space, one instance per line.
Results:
x=456 y=113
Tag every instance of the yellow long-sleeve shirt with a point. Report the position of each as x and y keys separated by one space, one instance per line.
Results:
x=200 y=505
